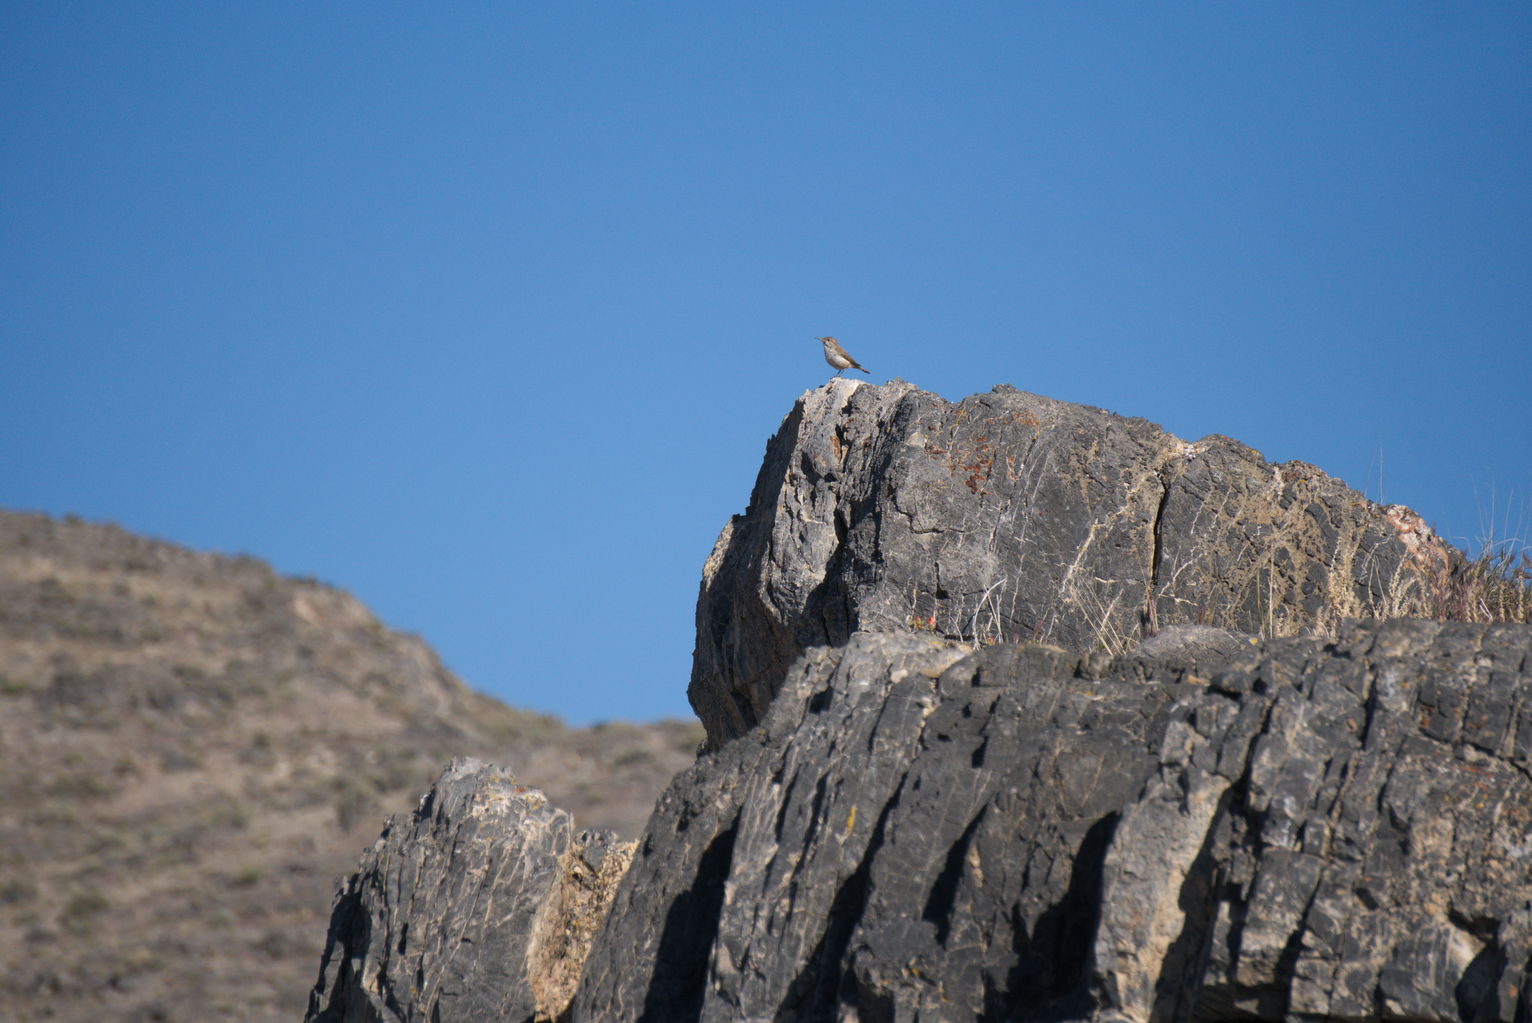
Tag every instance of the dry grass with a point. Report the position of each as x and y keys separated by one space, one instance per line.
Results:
x=1495 y=586
x=1443 y=583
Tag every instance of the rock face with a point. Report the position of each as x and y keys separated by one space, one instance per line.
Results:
x=1171 y=810
x=479 y=906
x=1012 y=517
x=1306 y=829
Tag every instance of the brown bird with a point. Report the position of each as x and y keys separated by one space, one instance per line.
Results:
x=838 y=357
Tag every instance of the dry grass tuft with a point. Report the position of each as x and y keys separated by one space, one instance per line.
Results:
x=1495 y=586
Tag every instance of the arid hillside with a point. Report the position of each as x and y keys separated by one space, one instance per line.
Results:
x=196 y=749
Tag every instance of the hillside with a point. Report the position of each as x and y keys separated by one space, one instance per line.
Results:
x=196 y=749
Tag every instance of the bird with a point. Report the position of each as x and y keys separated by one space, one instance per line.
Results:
x=838 y=357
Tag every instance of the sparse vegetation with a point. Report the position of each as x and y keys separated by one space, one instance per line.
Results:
x=82 y=786
x=355 y=801
x=17 y=891
x=80 y=912
x=248 y=877
x=631 y=758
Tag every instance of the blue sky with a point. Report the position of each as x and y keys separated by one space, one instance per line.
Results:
x=484 y=312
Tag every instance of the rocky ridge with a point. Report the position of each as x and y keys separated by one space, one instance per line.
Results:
x=1207 y=758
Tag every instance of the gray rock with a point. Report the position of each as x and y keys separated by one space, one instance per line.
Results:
x=479 y=906
x=1182 y=653
x=1174 y=809
x=1009 y=516
x=1335 y=830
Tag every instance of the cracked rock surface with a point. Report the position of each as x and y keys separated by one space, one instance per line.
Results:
x=1290 y=829
x=1013 y=517
x=479 y=906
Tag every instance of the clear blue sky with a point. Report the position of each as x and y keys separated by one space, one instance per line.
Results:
x=485 y=311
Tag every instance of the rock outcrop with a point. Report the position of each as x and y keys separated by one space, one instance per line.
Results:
x=479 y=906
x=1310 y=830
x=1024 y=711
x=1011 y=517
